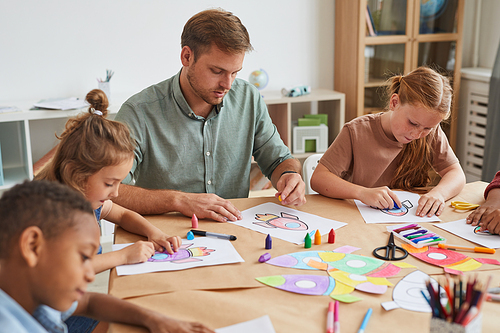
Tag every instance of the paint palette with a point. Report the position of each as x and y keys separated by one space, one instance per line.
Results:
x=416 y=235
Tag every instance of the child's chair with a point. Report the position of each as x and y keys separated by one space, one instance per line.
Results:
x=308 y=169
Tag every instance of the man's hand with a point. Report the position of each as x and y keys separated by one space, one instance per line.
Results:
x=291 y=188
x=206 y=206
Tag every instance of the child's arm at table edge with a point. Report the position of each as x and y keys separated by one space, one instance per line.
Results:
x=111 y=309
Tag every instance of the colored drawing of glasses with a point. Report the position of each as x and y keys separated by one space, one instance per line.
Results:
x=477 y=231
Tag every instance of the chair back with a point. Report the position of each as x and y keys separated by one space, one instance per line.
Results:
x=307 y=170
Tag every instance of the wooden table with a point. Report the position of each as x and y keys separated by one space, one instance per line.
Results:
x=224 y=295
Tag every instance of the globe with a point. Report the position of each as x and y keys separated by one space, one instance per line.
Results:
x=259 y=78
x=432 y=9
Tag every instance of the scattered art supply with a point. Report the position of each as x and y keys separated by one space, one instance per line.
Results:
x=331 y=236
x=405 y=213
x=390 y=251
x=190 y=235
x=307 y=241
x=365 y=321
x=202 y=251
x=465 y=248
x=493 y=298
x=329 y=318
x=336 y=323
x=194 y=222
x=213 y=234
x=269 y=242
x=265 y=257
x=284 y=222
x=466 y=231
x=461 y=307
x=407 y=293
x=452 y=262
x=416 y=235
x=317 y=238
x=347 y=272
x=461 y=205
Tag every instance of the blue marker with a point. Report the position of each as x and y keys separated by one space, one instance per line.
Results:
x=395 y=205
x=365 y=321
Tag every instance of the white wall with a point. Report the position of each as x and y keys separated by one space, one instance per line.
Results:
x=489 y=32
x=57 y=48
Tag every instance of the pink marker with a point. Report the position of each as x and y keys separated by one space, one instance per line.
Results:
x=194 y=221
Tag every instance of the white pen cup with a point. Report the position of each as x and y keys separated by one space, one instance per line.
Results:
x=104 y=86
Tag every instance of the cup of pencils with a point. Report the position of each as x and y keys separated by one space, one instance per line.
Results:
x=104 y=85
x=456 y=304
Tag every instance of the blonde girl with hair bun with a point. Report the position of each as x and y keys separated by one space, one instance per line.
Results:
x=396 y=149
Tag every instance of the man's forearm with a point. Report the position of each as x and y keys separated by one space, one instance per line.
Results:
x=290 y=164
x=145 y=201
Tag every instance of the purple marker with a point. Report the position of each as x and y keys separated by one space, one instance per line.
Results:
x=414 y=233
x=265 y=257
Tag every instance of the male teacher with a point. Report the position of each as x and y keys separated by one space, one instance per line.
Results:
x=197 y=131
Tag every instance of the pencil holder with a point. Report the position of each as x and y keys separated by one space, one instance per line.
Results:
x=104 y=86
x=442 y=326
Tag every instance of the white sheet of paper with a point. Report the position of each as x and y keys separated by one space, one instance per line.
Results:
x=262 y=325
x=194 y=253
x=404 y=214
x=285 y=223
x=466 y=231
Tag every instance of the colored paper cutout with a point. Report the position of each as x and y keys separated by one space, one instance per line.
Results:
x=407 y=293
x=285 y=223
x=396 y=215
x=453 y=262
x=347 y=272
x=201 y=251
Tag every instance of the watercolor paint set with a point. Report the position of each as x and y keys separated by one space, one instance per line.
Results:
x=416 y=235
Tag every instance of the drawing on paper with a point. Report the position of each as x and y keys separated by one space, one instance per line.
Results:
x=183 y=255
x=347 y=272
x=285 y=222
x=402 y=211
x=452 y=262
x=407 y=294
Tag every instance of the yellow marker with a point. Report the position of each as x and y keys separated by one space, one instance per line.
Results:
x=317 y=238
x=465 y=248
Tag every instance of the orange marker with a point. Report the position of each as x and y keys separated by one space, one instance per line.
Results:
x=317 y=238
x=464 y=248
x=279 y=198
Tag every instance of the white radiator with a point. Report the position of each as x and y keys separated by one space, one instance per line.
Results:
x=473 y=109
x=477 y=109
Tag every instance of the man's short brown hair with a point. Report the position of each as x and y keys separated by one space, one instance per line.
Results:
x=216 y=26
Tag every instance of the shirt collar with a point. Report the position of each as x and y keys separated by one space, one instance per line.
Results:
x=183 y=104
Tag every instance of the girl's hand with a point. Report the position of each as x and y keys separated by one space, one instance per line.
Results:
x=138 y=252
x=429 y=204
x=162 y=241
x=379 y=197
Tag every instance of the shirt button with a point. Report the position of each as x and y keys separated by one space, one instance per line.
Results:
x=209 y=182
x=208 y=153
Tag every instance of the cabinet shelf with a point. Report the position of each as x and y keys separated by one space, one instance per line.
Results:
x=411 y=34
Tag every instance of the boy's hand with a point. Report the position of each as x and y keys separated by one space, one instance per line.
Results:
x=379 y=197
x=163 y=324
x=162 y=242
x=138 y=252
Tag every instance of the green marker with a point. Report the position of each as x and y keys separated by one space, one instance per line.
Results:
x=307 y=241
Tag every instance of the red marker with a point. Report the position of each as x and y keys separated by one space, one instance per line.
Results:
x=331 y=236
x=194 y=222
